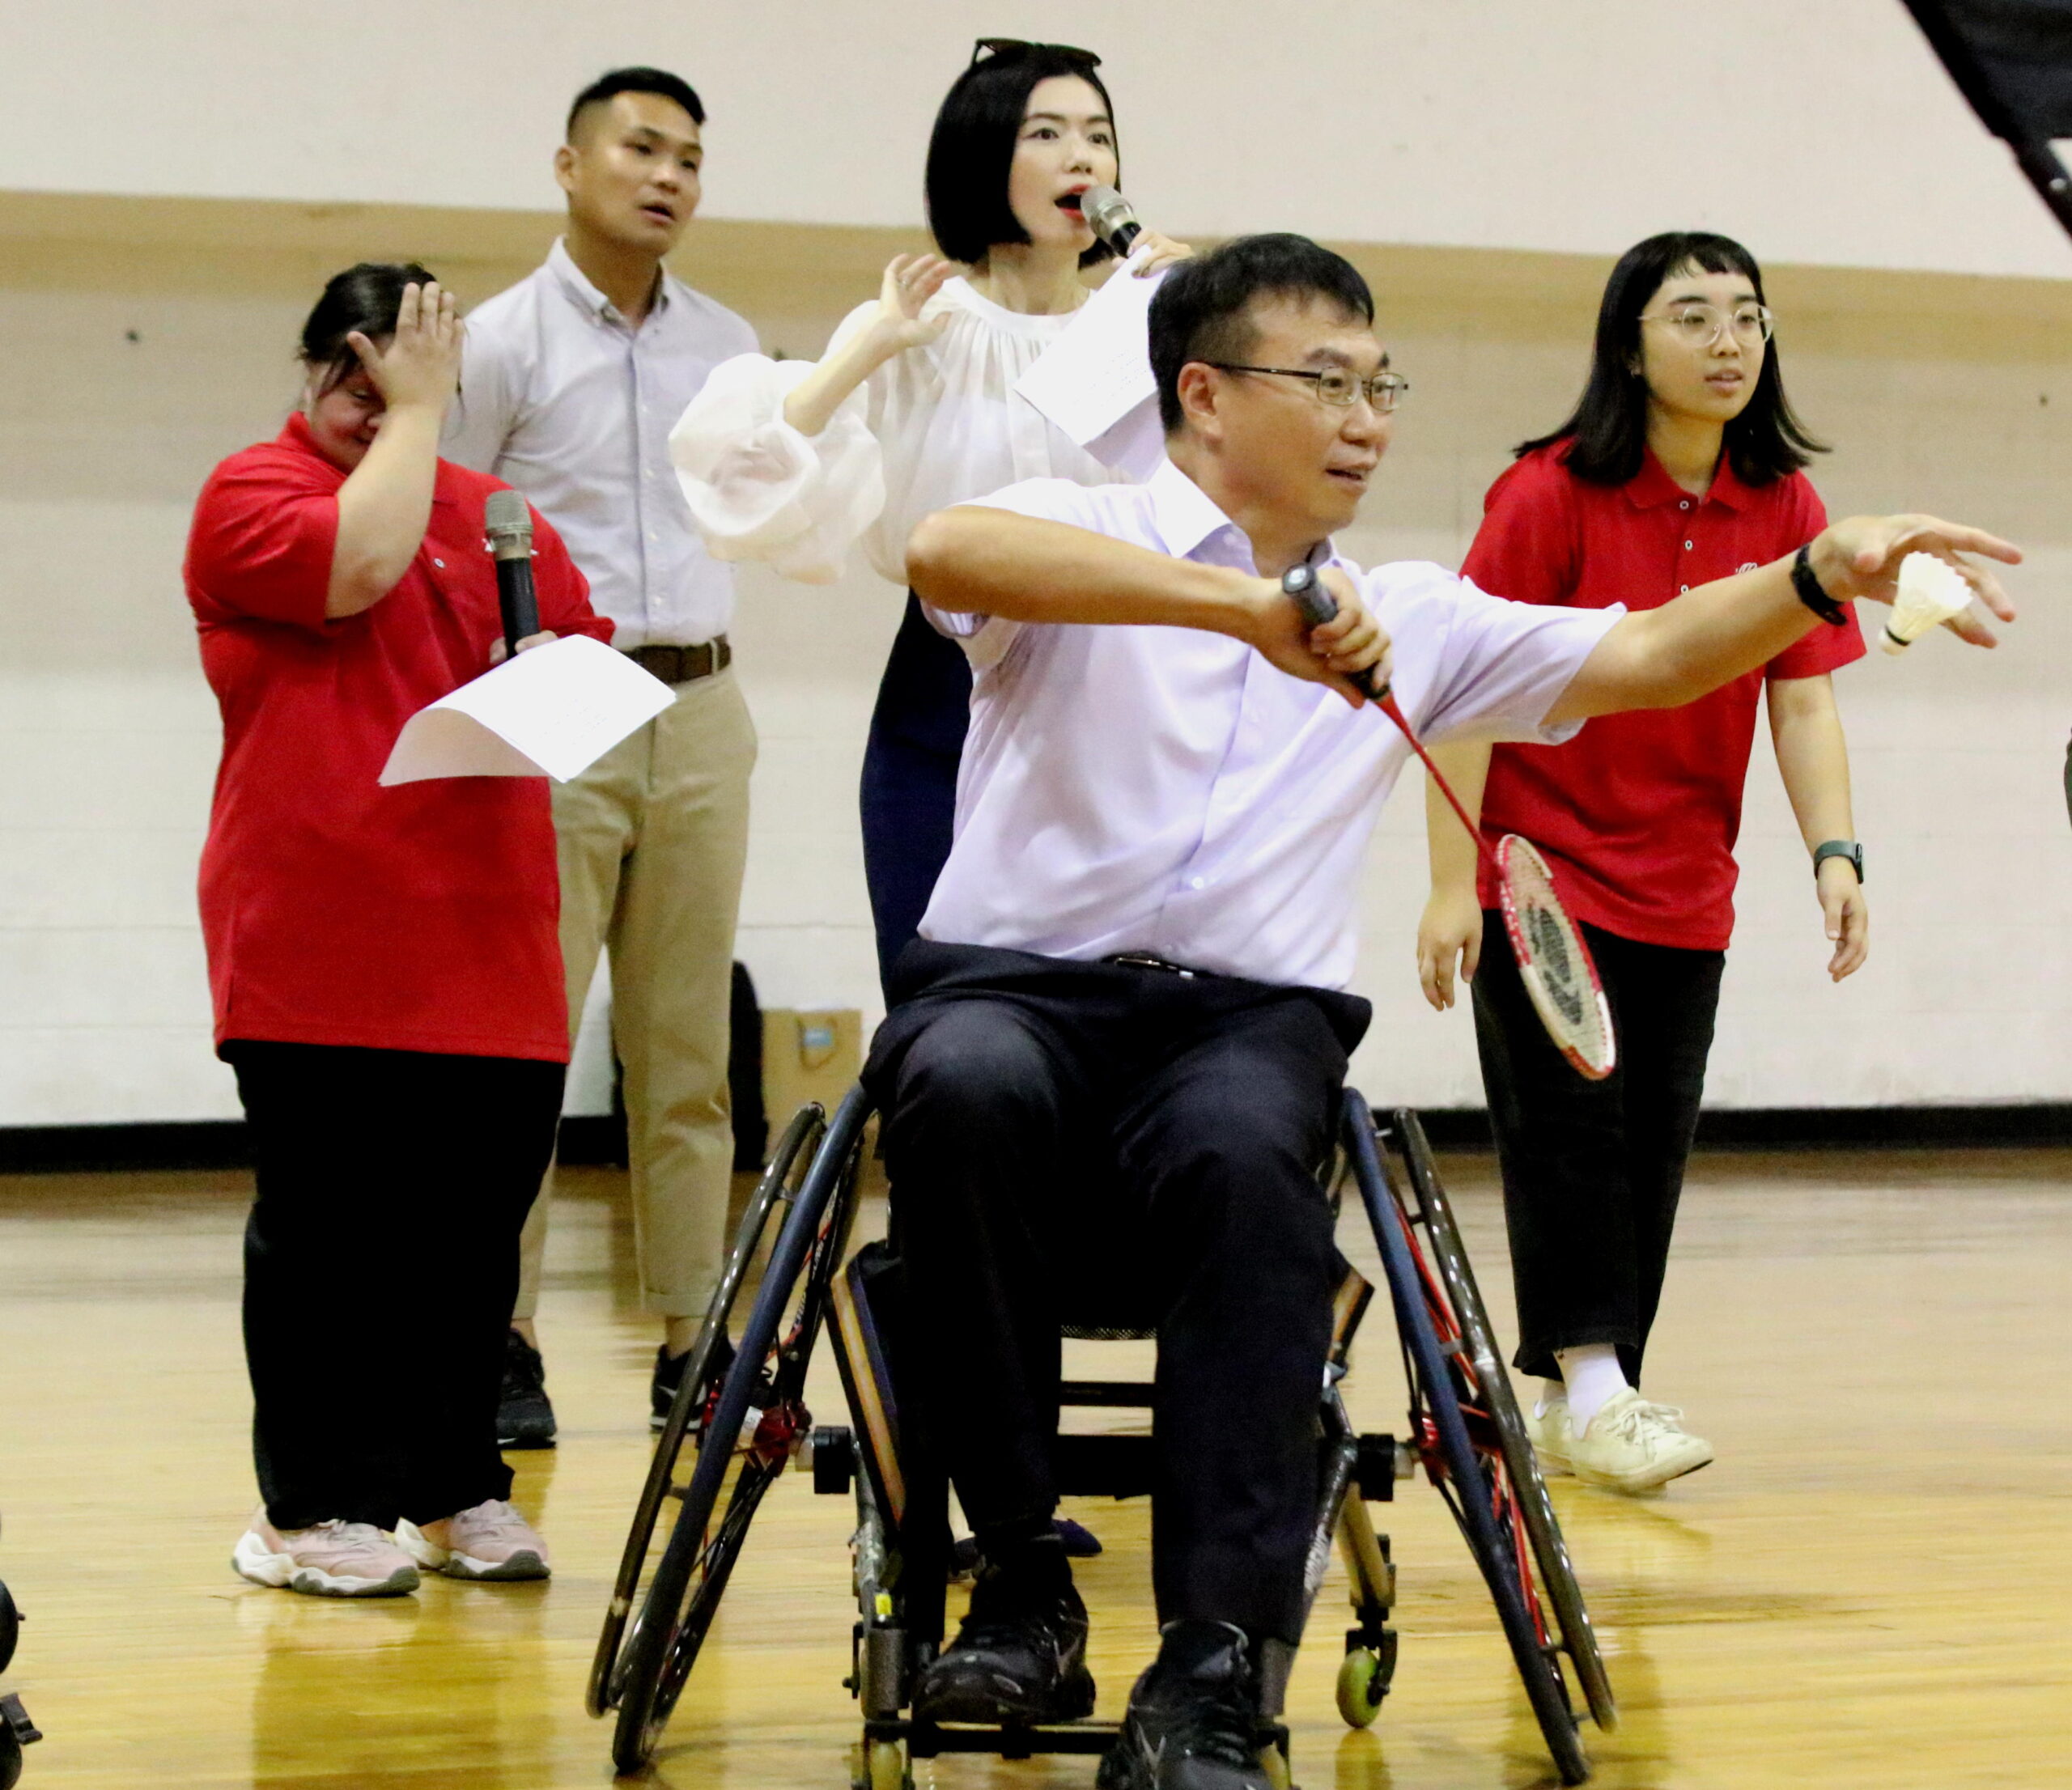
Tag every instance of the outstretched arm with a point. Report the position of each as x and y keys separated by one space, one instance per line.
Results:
x=973 y=560
x=1661 y=659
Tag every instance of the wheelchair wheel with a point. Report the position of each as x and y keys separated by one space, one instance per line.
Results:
x=1433 y=1214
x=768 y=1375
x=1472 y=1480
x=695 y=1388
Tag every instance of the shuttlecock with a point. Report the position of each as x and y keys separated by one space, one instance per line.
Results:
x=1930 y=592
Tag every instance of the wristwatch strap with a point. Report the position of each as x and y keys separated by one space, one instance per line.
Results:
x=1807 y=582
x=1839 y=848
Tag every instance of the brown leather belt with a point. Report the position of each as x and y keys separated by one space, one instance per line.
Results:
x=684 y=665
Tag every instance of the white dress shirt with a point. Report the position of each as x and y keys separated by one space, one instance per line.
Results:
x=561 y=397
x=931 y=427
x=1168 y=790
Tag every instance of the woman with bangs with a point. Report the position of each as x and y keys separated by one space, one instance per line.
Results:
x=913 y=409
x=1682 y=462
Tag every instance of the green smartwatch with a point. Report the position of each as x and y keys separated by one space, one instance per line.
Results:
x=1840 y=848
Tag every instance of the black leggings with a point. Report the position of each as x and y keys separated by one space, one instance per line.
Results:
x=1593 y=1169
x=380 y=1263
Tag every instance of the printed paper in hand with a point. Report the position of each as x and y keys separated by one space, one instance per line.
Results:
x=553 y=711
x=1094 y=381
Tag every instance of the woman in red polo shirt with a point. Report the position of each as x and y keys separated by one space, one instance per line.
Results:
x=1681 y=464
x=386 y=981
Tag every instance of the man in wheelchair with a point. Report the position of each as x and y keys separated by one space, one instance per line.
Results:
x=1112 y=1064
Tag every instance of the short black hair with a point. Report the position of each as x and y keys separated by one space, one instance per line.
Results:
x=1606 y=433
x=365 y=298
x=617 y=81
x=972 y=147
x=1201 y=311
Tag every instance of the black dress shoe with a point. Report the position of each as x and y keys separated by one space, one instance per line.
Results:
x=524 y=1416
x=1020 y=1655
x=1194 y=1717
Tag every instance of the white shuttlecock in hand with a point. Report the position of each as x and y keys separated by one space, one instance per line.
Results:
x=1930 y=592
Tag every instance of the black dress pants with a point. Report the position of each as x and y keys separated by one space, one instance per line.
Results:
x=1098 y=1143
x=1593 y=1169
x=380 y=1263
x=908 y=793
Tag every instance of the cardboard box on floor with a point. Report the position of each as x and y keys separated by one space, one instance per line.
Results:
x=809 y=1055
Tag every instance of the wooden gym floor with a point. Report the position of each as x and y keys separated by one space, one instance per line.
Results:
x=1870 y=1588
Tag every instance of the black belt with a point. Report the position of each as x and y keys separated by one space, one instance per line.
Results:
x=684 y=665
x=1143 y=959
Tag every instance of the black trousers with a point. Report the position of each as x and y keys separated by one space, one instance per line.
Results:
x=380 y=1263
x=1593 y=1169
x=1096 y=1143
x=908 y=793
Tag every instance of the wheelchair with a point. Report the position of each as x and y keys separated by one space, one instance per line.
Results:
x=16 y=1730
x=744 y=1402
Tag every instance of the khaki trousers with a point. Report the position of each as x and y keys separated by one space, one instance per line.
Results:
x=651 y=840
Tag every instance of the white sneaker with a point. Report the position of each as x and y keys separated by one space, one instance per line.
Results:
x=1551 y=1436
x=489 y=1541
x=327 y=1560
x=1631 y=1445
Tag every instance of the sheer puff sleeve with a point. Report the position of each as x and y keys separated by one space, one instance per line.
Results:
x=758 y=489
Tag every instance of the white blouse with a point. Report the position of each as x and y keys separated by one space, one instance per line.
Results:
x=933 y=427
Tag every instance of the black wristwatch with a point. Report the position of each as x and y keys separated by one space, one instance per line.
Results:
x=1840 y=848
x=1807 y=582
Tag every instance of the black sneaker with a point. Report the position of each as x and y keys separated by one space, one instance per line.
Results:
x=669 y=1375
x=1020 y=1655
x=1194 y=1717
x=524 y=1416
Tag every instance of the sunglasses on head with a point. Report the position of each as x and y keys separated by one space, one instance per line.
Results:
x=1003 y=48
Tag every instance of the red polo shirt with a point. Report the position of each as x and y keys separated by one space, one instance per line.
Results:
x=421 y=918
x=1639 y=812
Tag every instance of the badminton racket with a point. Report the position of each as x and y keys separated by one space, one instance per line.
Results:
x=1554 y=962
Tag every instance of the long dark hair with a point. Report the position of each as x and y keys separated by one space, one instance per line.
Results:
x=1608 y=432
x=366 y=298
x=972 y=146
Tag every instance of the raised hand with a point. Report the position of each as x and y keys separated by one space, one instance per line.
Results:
x=420 y=368
x=909 y=281
x=1860 y=558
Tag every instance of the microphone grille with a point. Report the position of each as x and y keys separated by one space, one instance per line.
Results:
x=1103 y=208
x=505 y=514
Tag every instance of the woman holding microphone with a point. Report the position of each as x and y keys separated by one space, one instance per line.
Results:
x=386 y=978
x=1682 y=463
x=913 y=408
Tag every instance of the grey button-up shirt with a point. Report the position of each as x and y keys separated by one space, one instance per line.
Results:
x=562 y=398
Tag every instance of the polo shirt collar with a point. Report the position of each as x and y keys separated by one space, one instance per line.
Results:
x=575 y=284
x=1652 y=487
x=1188 y=519
x=446 y=487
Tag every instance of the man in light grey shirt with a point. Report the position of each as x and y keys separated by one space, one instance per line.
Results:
x=572 y=382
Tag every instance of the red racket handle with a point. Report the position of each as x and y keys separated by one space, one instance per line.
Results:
x=1386 y=703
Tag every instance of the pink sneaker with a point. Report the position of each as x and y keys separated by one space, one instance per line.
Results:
x=327 y=1560
x=491 y=1541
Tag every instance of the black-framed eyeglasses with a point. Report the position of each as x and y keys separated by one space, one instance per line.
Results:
x=996 y=48
x=1336 y=386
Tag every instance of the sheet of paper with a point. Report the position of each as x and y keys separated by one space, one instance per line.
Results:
x=553 y=711
x=1094 y=381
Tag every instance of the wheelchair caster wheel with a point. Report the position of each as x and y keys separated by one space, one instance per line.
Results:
x=1361 y=1686
x=879 y=1765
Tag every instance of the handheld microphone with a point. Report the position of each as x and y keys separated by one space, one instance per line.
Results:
x=1109 y=216
x=508 y=524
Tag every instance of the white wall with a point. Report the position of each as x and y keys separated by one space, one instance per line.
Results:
x=1826 y=131
x=129 y=364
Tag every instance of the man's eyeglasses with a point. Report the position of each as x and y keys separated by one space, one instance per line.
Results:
x=1700 y=325
x=998 y=48
x=1335 y=385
